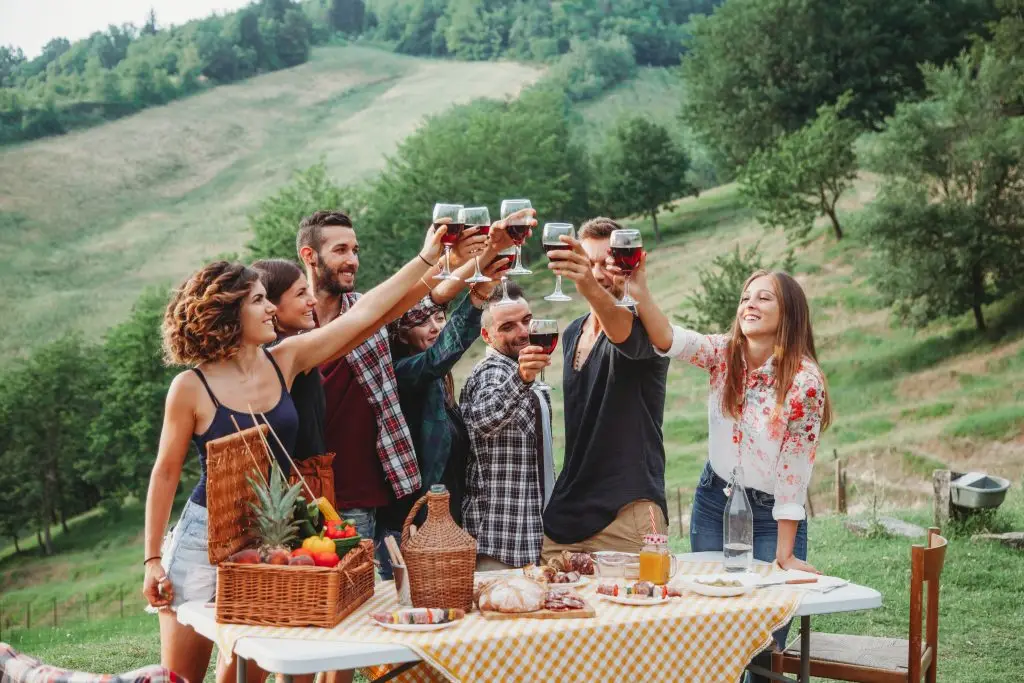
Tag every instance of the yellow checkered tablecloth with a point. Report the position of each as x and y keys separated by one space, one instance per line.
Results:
x=693 y=638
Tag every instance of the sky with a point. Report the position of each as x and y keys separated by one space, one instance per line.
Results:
x=30 y=24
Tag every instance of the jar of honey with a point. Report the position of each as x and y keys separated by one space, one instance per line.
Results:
x=655 y=560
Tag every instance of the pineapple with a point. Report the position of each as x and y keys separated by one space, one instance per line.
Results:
x=275 y=515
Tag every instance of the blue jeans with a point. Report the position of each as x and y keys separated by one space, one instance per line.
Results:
x=383 y=557
x=365 y=520
x=706 y=529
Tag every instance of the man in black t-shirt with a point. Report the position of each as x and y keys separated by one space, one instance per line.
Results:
x=614 y=385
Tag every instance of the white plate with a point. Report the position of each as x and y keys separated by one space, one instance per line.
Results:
x=575 y=584
x=630 y=600
x=748 y=582
x=417 y=628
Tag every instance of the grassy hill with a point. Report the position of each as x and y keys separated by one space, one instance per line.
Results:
x=90 y=218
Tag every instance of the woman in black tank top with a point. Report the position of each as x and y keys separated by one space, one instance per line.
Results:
x=288 y=289
x=218 y=322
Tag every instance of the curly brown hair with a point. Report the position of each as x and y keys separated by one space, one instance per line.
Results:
x=202 y=322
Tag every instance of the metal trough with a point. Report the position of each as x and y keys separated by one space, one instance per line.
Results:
x=978 y=491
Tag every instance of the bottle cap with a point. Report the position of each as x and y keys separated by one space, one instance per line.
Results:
x=655 y=539
x=438 y=488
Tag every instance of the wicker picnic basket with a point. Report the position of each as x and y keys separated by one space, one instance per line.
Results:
x=228 y=460
x=265 y=594
x=441 y=557
x=271 y=595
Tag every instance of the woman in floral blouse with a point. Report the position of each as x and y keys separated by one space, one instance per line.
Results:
x=767 y=407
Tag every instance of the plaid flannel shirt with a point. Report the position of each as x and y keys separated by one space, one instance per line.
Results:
x=371 y=362
x=20 y=668
x=504 y=493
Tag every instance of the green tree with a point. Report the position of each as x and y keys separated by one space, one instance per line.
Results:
x=758 y=68
x=521 y=148
x=803 y=174
x=276 y=221
x=50 y=399
x=641 y=170
x=470 y=33
x=948 y=226
x=347 y=16
x=11 y=58
x=123 y=437
x=713 y=304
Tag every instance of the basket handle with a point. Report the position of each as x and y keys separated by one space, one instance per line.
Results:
x=411 y=516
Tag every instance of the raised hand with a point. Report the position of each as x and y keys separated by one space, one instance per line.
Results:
x=432 y=247
x=471 y=243
x=532 y=360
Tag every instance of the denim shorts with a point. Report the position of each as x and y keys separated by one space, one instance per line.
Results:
x=185 y=560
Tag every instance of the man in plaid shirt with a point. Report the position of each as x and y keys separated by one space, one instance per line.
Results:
x=509 y=426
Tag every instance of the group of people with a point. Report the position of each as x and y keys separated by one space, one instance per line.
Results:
x=369 y=378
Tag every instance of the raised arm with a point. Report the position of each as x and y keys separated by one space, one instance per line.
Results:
x=700 y=350
x=575 y=264
x=302 y=352
x=457 y=336
x=498 y=396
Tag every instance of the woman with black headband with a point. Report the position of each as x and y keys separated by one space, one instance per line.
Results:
x=425 y=346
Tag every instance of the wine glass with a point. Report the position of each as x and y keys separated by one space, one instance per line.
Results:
x=626 y=248
x=476 y=217
x=450 y=237
x=551 y=241
x=517 y=230
x=544 y=333
x=509 y=252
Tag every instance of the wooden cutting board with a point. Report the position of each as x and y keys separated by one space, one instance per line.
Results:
x=587 y=612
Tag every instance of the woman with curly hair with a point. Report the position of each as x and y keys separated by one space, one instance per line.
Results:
x=217 y=323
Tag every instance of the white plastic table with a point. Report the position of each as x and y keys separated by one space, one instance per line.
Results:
x=290 y=657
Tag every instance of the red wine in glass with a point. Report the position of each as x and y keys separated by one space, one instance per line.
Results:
x=627 y=258
x=518 y=233
x=548 y=247
x=546 y=340
x=452 y=236
x=481 y=229
x=504 y=267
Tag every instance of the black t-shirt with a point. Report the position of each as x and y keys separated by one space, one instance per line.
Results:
x=614 y=450
x=308 y=396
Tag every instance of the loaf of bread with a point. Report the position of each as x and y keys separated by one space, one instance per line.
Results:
x=513 y=595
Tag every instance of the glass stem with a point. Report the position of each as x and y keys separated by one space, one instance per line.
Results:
x=519 y=256
x=625 y=296
x=504 y=287
x=558 y=285
x=477 y=273
x=448 y=261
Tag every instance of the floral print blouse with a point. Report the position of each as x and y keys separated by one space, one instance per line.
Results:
x=776 y=453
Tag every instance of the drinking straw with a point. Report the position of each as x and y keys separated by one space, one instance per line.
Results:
x=654 y=525
x=249 y=451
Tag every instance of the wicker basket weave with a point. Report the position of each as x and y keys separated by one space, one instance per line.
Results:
x=440 y=558
x=271 y=595
x=228 y=460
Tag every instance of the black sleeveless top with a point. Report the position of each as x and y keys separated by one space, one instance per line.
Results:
x=282 y=418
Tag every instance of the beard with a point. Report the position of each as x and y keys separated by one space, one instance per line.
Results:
x=326 y=279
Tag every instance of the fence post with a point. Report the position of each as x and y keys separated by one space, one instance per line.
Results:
x=55 y=612
x=840 y=487
x=679 y=509
x=121 y=591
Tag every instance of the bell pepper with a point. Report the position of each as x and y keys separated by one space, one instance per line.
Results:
x=326 y=559
x=318 y=544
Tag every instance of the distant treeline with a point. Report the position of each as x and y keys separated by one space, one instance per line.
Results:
x=124 y=69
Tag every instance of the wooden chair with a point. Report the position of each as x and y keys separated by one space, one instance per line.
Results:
x=867 y=659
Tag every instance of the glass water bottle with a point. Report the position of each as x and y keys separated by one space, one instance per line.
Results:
x=738 y=526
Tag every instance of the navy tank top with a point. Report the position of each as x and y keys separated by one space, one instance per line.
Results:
x=283 y=418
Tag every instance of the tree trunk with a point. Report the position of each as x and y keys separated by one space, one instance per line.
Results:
x=978 y=283
x=654 y=220
x=48 y=539
x=63 y=520
x=39 y=540
x=17 y=548
x=836 y=228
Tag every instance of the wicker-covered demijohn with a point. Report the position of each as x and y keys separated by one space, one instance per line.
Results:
x=441 y=557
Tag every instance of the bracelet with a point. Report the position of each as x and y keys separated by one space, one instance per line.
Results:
x=149 y=559
x=426 y=261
